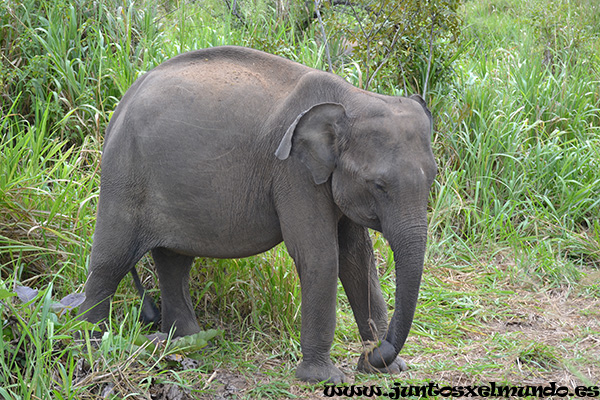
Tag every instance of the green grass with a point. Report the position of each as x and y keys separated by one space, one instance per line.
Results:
x=511 y=288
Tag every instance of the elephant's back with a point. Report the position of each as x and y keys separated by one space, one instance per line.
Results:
x=267 y=64
x=230 y=70
x=199 y=114
x=215 y=90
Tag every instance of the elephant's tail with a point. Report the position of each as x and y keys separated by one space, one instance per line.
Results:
x=150 y=312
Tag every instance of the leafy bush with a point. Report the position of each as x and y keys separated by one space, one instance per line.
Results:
x=399 y=44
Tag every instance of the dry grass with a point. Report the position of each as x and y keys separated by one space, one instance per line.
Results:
x=550 y=335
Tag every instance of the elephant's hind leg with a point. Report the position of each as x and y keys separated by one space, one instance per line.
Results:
x=115 y=251
x=173 y=271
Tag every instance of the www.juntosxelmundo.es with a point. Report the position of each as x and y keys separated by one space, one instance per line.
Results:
x=432 y=389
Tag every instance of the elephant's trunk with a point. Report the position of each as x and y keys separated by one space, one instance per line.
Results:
x=408 y=241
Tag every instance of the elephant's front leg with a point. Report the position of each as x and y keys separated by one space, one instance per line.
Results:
x=312 y=243
x=358 y=273
x=318 y=279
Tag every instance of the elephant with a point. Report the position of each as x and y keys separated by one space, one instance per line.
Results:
x=225 y=152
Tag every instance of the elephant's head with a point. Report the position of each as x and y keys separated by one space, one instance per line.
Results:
x=379 y=159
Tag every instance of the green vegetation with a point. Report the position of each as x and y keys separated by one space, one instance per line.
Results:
x=511 y=291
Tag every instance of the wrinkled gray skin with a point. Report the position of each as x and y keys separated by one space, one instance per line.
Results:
x=225 y=152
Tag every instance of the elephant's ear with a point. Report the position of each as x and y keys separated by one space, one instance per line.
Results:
x=312 y=138
x=421 y=101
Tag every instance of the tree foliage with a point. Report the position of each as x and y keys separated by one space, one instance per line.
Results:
x=406 y=44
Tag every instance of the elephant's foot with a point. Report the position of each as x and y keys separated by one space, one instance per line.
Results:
x=182 y=326
x=395 y=367
x=319 y=372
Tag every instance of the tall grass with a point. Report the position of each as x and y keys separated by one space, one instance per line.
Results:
x=75 y=59
x=47 y=197
x=517 y=142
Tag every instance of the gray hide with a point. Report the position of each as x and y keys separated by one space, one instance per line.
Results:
x=226 y=152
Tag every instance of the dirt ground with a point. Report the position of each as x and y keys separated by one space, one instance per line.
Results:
x=548 y=320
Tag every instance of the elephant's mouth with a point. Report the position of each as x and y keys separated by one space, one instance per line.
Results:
x=362 y=212
x=376 y=226
x=374 y=221
x=371 y=222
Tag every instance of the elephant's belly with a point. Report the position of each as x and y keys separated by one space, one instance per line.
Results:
x=221 y=228
x=224 y=249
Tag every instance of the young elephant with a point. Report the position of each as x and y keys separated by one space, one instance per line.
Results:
x=225 y=152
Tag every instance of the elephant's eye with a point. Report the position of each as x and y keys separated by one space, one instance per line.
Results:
x=380 y=186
